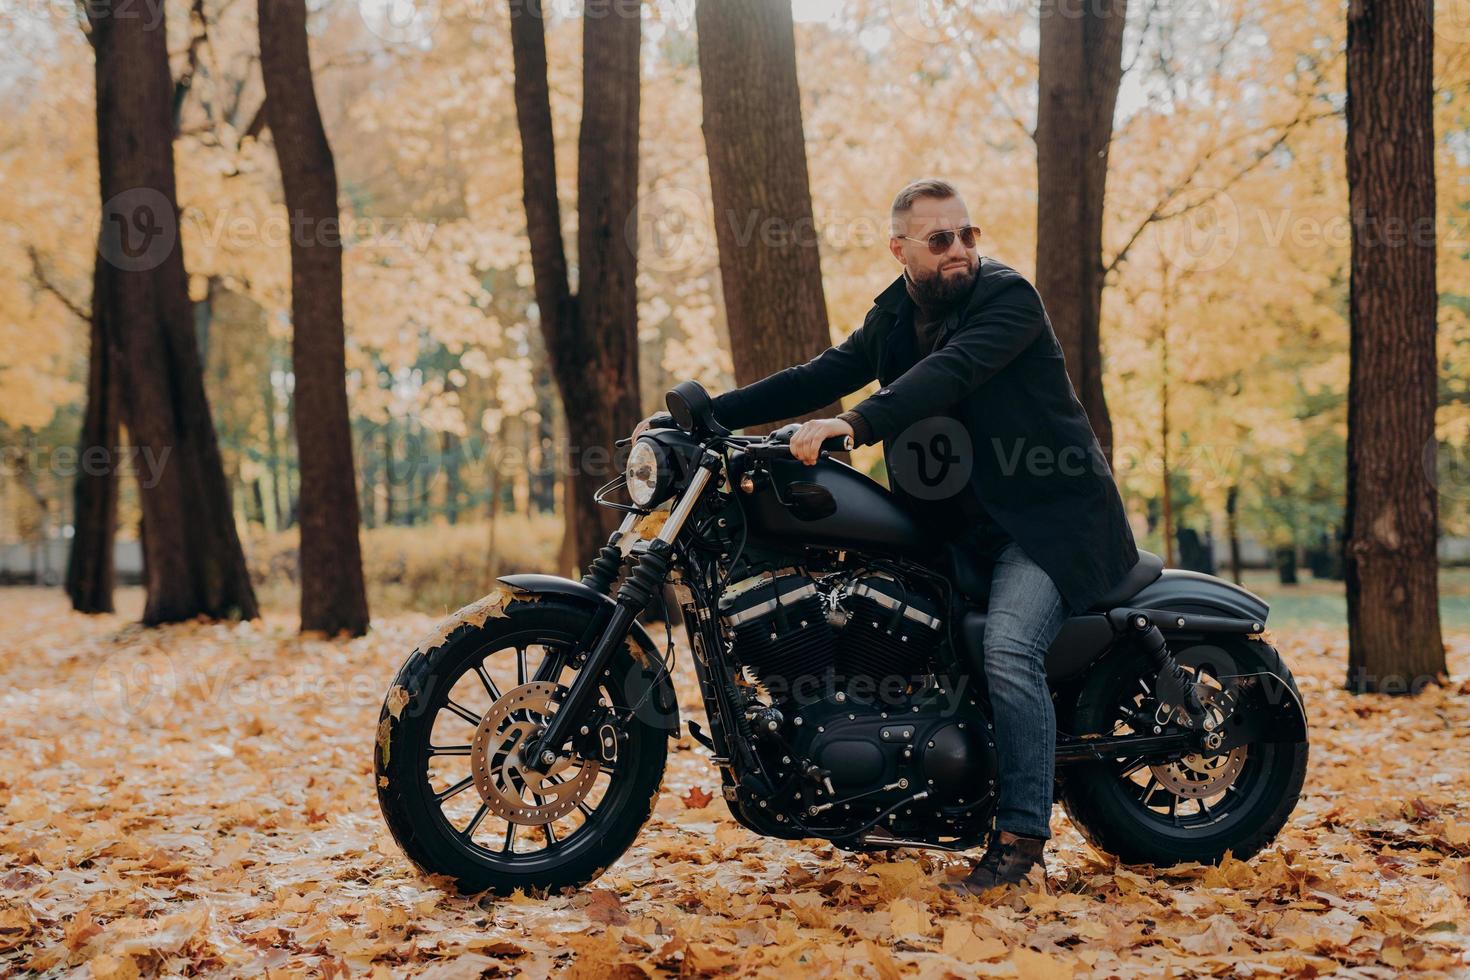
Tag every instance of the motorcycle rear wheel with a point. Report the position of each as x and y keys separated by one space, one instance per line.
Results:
x=1196 y=809
x=447 y=821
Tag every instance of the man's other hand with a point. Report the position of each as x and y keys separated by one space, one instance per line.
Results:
x=806 y=445
x=662 y=418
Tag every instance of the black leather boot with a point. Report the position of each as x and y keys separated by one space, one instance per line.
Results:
x=1002 y=864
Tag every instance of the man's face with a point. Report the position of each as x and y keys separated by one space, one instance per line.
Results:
x=948 y=275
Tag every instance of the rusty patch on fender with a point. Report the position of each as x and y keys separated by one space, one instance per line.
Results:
x=477 y=614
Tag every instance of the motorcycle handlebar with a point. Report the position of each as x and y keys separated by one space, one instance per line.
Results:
x=774 y=448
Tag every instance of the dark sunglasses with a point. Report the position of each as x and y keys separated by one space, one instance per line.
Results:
x=940 y=241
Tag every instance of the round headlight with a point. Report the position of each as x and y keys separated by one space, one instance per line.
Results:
x=643 y=473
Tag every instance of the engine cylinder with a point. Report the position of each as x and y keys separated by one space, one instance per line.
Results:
x=781 y=632
x=892 y=632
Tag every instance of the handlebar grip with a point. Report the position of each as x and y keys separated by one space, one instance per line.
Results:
x=837 y=444
x=781 y=450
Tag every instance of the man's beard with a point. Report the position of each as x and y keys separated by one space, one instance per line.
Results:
x=938 y=291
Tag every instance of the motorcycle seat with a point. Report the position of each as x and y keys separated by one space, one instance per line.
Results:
x=1147 y=571
x=971 y=577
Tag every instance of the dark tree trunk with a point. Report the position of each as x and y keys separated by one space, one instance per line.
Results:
x=449 y=445
x=90 y=573
x=1232 y=522
x=1392 y=572
x=194 y=563
x=333 y=598
x=1081 y=68
x=770 y=265
x=591 y=337
x=273 y=459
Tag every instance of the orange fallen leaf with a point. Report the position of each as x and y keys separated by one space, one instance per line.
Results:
x=696 y=798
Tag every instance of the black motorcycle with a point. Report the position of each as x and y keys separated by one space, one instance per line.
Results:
x=839 y=656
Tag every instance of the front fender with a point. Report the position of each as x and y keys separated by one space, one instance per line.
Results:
x=662 y=709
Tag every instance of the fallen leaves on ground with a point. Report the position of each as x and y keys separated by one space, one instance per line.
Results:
x=199 y=799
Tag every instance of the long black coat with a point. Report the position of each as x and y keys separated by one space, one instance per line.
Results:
x=994 y=401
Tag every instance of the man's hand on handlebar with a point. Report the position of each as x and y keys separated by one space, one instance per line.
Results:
x=661 y=417
x=806 y=445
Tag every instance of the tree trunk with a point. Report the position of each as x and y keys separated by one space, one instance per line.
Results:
x=90 y=573
x=770 y=264
x=591 y=337
x=195 y=565
x=1081 y=68
x=1394 y=641
x=333 y=598
x=1232 y=523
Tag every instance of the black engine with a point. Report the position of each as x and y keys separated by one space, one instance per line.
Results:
x=852 y=707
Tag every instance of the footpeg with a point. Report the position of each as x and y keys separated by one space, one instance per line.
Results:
x=699 y=736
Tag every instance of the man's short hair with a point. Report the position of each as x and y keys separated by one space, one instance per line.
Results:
x=941 y=190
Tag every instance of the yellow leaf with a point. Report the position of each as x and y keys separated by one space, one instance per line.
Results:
x=963 y=943
x=1031 y=965
x=909 y=918
x=398 y=699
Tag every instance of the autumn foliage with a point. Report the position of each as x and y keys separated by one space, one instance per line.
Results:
x=199 y=798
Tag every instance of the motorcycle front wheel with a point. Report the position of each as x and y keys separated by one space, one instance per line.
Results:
x=453 y=788
x=1200 y=807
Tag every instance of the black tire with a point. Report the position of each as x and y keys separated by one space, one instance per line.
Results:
x=406 y=795
x=1108 y=808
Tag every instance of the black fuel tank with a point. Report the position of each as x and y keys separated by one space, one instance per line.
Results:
x=830 y=504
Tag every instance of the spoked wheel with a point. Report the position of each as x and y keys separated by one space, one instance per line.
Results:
x=454 y=788
x=1196 y=807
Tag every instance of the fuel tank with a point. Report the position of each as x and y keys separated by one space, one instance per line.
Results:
x=832 y=505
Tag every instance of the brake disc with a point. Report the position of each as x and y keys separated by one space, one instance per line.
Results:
x=1196 y=776
x=511 y=789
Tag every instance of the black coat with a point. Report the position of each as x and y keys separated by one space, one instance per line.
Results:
x=992 y=407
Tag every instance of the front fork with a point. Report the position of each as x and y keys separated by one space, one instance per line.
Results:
x=634 y=595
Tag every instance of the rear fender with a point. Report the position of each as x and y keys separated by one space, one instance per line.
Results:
x=651 y=687
x=1267 y=710
x=1185 y=592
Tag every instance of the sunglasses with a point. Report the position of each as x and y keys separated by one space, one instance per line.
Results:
x=940 y=241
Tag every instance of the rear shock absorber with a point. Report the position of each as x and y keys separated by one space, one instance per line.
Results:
x=1175 y=685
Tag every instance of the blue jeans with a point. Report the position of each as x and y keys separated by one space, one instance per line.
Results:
x=1026 y=613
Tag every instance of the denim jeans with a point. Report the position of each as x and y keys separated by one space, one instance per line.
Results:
x=1026 y=613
